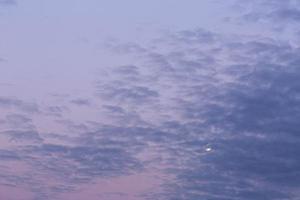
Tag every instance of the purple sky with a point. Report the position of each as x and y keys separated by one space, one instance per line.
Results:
x=143 y=100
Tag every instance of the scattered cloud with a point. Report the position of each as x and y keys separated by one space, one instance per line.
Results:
x=230 y=121
x=7 y=2
x=81 y=102
x=11 y=102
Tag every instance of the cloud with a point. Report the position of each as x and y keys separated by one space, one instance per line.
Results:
x=10 y=102
x=23 y=136
x=127 y=70
x=8 y=155
x=280 y=15
x=242 y=104
x=18 y=121
x=56 y=110
x=256 y=117
x=7 y=2
x=67 y=166
x=127 y=93
x=81 y=102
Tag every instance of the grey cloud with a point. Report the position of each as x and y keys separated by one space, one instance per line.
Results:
x=8 y=2
x=114 y=109
x=87 y=161
x=68 y=166
x=81 y=102
x=125 y=48
x=23 y=136
x=57 y=111
x=18 y=121
x=123 y=116
x=8 y=155
x=237 y=135
x=199 y=36
x=9 y=102
x=129 y=70
x=72 y=126
x=264 y=104
x=278 y=14
x=127 y=93
x=285 y=14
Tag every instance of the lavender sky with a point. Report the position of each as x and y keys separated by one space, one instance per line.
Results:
x=149 y=100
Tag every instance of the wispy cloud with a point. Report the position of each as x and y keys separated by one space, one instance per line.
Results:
x=241 y=104
x=8 y=2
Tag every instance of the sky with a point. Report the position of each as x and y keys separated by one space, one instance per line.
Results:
x=143 y=100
